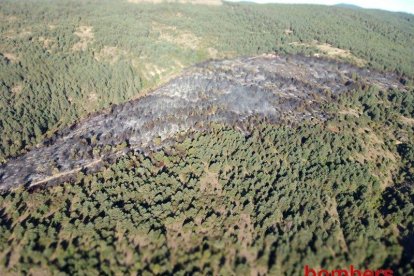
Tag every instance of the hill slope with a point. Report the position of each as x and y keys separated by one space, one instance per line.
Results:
x=62 y=60
x=280 y=89
x=283 y=161
x=329 y=194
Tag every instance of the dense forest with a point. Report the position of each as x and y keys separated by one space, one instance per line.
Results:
x=61 y=60
x=221 y=202
x=267 y=200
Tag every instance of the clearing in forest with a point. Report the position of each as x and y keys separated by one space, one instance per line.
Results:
x=86 y=36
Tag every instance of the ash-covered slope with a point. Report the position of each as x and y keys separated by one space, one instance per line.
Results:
x=229 y=91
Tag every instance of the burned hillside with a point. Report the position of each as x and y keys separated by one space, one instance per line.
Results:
x=275 y=88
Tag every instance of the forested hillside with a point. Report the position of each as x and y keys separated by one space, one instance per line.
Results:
x=60 y=60
x=220 y=202
x=252 y=195
x=287 y=89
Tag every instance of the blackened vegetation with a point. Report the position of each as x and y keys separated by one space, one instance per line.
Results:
x=278 y=89
x=57 y=69
x=266 y=200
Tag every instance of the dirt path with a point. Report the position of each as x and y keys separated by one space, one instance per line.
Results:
x=56 y=176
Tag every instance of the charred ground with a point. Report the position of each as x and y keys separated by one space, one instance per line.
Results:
x=278 y=89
